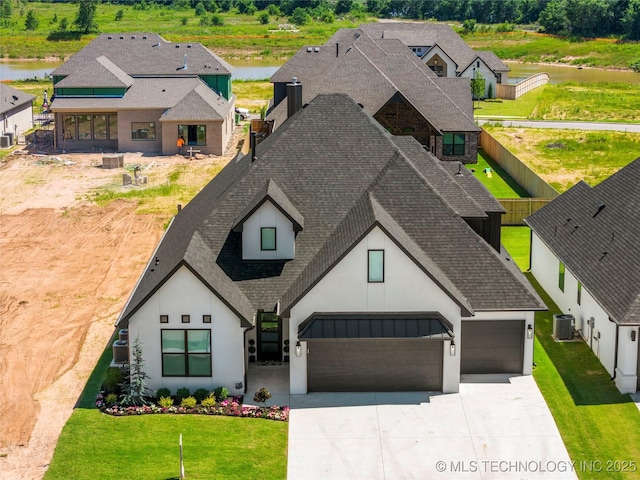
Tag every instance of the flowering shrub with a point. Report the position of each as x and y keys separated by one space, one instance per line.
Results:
x=232 y=407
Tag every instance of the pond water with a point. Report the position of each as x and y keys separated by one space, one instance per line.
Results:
x=261 y=69
x=561 y=74
x=40 y=70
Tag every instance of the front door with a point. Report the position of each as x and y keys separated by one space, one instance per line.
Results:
x=269 y=337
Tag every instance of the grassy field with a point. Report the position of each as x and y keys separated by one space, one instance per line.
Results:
x=596 y=422
x=93 y=445
x=563 y=157
x=241 y=36
x=586 y=102
x=537 y=47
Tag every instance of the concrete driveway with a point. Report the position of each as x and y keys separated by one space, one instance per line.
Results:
x=496 y=427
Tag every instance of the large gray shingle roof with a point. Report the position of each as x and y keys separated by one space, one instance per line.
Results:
x=344 y=174
x=147 y=54
x=371 y=73
x=8 y=103
x=185 y=99
x=602 y=251
x=99 y=73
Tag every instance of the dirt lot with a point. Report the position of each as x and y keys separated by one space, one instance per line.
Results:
x=67 y=267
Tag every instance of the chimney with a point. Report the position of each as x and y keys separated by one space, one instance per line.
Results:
x=294 y=96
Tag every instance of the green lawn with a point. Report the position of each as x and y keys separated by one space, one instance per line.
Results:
x=500 y=183
x=97 y=446
x=517 y=241
x=596 y=422
x=584 y=102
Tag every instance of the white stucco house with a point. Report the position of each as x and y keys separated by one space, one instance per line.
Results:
x=585 y=252
x=353 y=256
x=16 y=111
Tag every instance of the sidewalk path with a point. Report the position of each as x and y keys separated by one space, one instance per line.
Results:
x=618 y=127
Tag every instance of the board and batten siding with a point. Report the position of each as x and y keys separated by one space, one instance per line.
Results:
x=601 y=337
x=406 y=288
x=184 y=294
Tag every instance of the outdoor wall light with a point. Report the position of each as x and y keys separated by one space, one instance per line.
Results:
x=633 y=335
x=298 y=349
x=452 y=349
x=529 y=332
x=238 y=385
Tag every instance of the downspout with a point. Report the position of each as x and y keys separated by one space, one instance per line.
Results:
x=530 y=247
x=615 y=355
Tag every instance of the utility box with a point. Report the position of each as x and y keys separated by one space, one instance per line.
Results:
x=563 y=326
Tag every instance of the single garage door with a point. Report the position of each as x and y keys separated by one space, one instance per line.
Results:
x=371 y=365
x=492 y=346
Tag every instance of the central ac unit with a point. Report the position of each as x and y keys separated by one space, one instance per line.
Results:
x=121 y=351
x=563 y=326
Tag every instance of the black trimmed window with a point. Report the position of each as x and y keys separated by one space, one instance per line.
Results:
x=164 y=318
x=186 y=318
x=186 y=353
x=268 y=238
x=453 y=144
x=206 y=318
x=579 y=293
x=561 y=271
x=143 y=130
x=375 y=266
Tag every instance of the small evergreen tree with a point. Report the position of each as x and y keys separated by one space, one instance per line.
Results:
x=86 y=18
x=31 y=22
x=119 y=15
x=64 y=24
x=134 y=387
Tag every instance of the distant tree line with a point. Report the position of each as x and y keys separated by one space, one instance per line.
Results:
x=570 y=18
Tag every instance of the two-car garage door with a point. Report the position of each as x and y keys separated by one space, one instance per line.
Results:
x=370 y=365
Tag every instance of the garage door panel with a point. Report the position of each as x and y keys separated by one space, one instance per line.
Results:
x=374 y=365
x=492 y=346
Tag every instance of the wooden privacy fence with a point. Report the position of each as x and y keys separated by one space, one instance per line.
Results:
x=513 y=91
x=540 y=191
x=520 y=208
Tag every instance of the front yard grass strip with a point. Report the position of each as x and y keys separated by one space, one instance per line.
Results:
x=94 y=445
x=596 y=421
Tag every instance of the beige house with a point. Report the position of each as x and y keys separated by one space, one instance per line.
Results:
x=138 y=92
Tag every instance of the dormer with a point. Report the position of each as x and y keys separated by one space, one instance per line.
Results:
x=269 y=225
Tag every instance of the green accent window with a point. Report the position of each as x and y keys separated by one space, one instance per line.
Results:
x=268 y=238
x=186 y=353
x=375 y=269
x=453 y=144
x=143 y=130
x=579 y=293
x=561 y=270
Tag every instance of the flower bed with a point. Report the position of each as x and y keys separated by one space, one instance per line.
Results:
x=232 y=407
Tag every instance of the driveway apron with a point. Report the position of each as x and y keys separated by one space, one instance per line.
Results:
x=496 y=427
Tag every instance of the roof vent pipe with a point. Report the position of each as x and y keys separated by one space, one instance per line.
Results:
x=337 y=49
x=253 y=139
x=294 y=96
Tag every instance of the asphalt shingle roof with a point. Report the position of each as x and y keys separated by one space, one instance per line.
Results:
x=186 y=98
x=345 y=175
x=371 y=73
x=147 y=54
x=602 y=250
x=99 y=73
x=7 y=100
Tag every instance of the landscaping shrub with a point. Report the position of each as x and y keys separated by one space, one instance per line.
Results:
x=182 y=393
x=221 y=393
x=262 y=395
x=209 y=402
x=200 y=394
x=189 y=402
x=165 y=402
x=112 y=380
x=111 y=399
x=163 y=392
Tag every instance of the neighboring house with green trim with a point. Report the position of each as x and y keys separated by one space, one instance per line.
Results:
x=139 y=92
